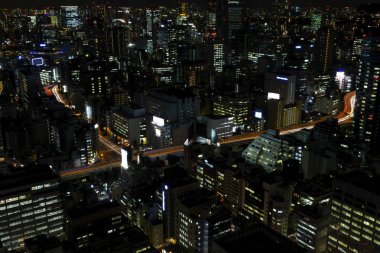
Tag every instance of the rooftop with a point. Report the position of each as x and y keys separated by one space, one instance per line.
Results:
x=197 y=197
x=258 y=239
x=363 y=181
x=25 y=176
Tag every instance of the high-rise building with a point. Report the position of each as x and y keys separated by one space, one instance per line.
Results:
x=92 y=225
x=277 y=204
x=282 y=84
x=173 y=105
x=70 y=16
x=30 y=86
x=195 y=73
x=229 y=25
x=191 y=210
x=354 y=218
x=316 y=20
x=120 y=37
x=218 y=127
x=129 y=123
x=222 y=179
x=320 y=84
x=149 y=12
x=291 y=114
x=136 y=205
x=211 y=19
x=235 y=17
x=86 y=143
x=311 y=228
x=237 y=107
x=254 y=195
x=325 y=47
x=367 y=110
x=176 y=183
x=95 y=78
x=183 y=8
x=275 y=108
x=30 y=205
x=218 y=56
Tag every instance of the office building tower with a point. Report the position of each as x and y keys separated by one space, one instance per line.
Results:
x=95 y=79
x=302 y=80
x=30 y=205
x=357 y=48
x=229 y=26
x=234 y=35
x=183 y=8
x=139 y=209
x=237 y=107
x=120 y=38
x=191 y=210
x=311 y=228
x=70 y=16
x=282 y=84
x=30 y=86
x=197 y=217
x=277 y=204
x=149 y=13
x=176 y=183
x=367 y=109
x=320 y=84
x=216 y=225
x=174 y=105
x=253 y=207
x=211 y=20
x=314 y=192
x=325 y=47
x=129 y=124
x=223 y=179
x=316 y=20
x=160 y=132
x=354 y=218
x=275 y=109
x=218 y=127
x=291 y=114
x=329 y=104
x=218 y=56
x=91 y=226
x=121 y=97
x=86 y=143
x=195 y=73
x=258 y=120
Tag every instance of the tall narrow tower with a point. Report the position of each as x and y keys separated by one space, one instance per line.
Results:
x=367 y=111
x=230 y=27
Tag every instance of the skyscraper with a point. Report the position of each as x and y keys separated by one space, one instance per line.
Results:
x=30 y=205
x=354 y=223
x=70 y=16
x=367 y=111
x=325 y=46
x=230 y=27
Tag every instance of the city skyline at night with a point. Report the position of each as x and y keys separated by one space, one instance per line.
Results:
x=215 y=126
x=171 y=3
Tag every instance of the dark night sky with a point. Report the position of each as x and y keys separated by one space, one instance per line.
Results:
x=35 y=3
